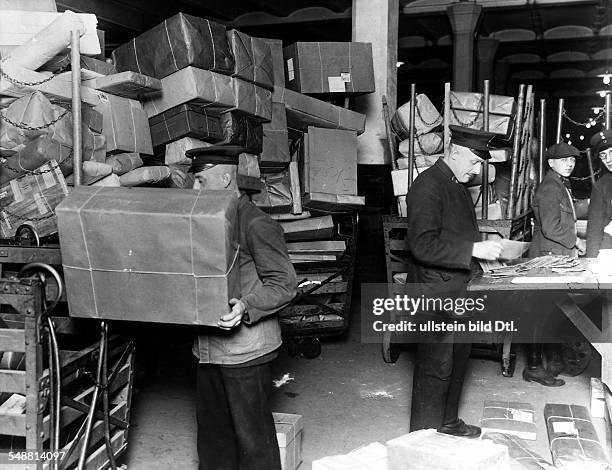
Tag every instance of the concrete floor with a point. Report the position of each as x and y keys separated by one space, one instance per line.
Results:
x=348 y=398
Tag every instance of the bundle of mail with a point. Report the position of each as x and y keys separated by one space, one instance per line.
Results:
x=556 y=263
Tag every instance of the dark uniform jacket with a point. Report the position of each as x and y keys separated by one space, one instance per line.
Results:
x=268 y=283
x=442 y=229
x=600 y=215
x=555 y=221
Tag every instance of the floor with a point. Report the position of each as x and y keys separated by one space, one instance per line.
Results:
x=348 y=396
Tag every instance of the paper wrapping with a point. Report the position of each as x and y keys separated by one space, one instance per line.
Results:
x=180 y=177
x=126 y=126
x=289 y=436
x=424 y=145
x=573 y=440
x=370 y=457
x=31 y=199
x=126 y=84
x=40 y=36
x=426 y=118
x=332 y=203
x=175 y=151
x=253 y=59
x=248 y=174
x=110 y=181
x=34 y=131
x=522 y=457
x=216 y=92
x=329 y=67
x=197 y=122
x=468 y=101
x=112 y=275
x=276 y=52
x=429 y=450
x=514 y=418
x=329 y=162
x=145 y=175
x=314 y=228
x=304 y=111
x=275 y=195
x=180 y=41
x=122 y=163
x=252 y=100
x=275 y=145
x=500 y=125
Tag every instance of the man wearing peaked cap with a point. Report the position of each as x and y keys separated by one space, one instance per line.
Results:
x=554 y=233
x=235 y=424
x=599 y=227
x=445 y=243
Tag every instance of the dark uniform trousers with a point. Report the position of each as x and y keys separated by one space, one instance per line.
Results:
x=442 y=231
x=438 y=381
x=236 y=395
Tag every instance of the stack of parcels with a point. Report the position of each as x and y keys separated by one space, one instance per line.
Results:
x=512 y=418
x=572 y=437
x=429 y=143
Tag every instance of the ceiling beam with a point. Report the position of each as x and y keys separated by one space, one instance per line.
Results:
x=114 y=12
x=304 y=15
x=439 y=6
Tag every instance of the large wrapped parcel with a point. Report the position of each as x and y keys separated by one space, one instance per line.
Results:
x=150 y=254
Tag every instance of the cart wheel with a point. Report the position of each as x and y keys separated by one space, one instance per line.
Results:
x=576 y=357
x=390 y=353
x=309 y=348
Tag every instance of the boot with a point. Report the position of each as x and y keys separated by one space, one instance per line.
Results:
x=461 y=429
x=535 y=372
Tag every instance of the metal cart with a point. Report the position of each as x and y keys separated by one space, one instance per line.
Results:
x=323 y=303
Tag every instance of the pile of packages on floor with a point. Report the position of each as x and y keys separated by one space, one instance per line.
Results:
x=187 y=82
x=507 y=427
x=467 y=110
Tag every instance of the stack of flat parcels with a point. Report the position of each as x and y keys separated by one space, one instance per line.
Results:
x=289 y=429
x=329 y=67
x=112 y=275
x=513 y=418
x=467 y=109
x=429 y=450
x=573 y=440
x=32 y=199
x=370 y=457
x=199 y=122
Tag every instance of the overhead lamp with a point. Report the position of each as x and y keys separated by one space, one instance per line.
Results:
x=581 y=137
x=400 y=63
x=603 y=93
x=588 y=125
x=567 y=136
x=597 y=110
x=606 y=77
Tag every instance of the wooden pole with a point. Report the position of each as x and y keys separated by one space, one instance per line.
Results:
x=77 y=137
x=390 y=139
x=516 y=148
x=559 y=120
x=485 y=165
x=542 y=148
x=447 y=111
x=411 y=132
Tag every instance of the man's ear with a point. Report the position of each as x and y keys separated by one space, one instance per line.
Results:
x=549 y=163
x=226 y=179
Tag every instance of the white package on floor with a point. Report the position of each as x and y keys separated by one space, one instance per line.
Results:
x=370 y=457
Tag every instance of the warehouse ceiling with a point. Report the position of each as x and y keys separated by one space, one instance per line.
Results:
x=559 y=46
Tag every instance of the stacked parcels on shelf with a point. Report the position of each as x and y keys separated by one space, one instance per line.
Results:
x=189 y=280
x=467 y=109
x=573 y=439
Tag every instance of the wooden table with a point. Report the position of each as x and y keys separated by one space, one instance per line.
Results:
x=544 y=279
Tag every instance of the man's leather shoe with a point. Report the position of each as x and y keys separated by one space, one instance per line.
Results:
x=459 y=428
x=541 y=376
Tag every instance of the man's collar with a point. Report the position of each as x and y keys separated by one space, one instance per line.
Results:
x=445 y=169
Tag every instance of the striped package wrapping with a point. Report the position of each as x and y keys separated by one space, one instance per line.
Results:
x=573 y=440
x=180 y=41
x=31 y=199
x=514 y=418
x=158 y=255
